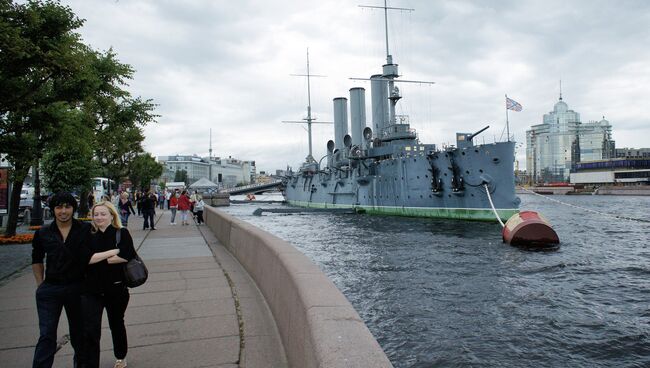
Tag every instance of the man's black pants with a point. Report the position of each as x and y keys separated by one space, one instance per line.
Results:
x=50 y=300
x=148 y=218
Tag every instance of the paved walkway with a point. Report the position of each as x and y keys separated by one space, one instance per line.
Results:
x=199 y=308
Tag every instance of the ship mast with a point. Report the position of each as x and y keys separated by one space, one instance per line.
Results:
x=390 y=71
x=309 y=119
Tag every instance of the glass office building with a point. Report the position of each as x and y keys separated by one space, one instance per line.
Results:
x=554 y=147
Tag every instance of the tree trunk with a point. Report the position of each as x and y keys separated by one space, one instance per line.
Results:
x=83 y=204
x=14 y=203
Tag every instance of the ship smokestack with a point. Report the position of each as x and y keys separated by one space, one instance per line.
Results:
x=357 y=114
x=340 y=122
x=379 y=93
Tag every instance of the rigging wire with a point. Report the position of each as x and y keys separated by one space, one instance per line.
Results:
x=586 y=209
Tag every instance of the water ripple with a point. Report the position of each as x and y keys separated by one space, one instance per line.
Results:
x=450 y=294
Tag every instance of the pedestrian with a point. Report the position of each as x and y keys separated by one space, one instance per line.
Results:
x=138 y=201
x=184 y=206
x=148 y=209
x=173 y=206
x=161 y=200
x=198 y=208
x=104 y=286
x=168 y=196
x=126 y=208
x=192 y=203
x=63 y=245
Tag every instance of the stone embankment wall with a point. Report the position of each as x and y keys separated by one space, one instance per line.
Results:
x=317 y=324
x=641 y=190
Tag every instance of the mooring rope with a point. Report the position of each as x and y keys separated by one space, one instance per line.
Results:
x=586 y=209
x=487 y=190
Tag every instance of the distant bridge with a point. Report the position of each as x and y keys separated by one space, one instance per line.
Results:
x=252 y=188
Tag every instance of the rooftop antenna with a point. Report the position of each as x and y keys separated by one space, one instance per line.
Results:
x=309 y=119
x=560 y=89
x=210 y=156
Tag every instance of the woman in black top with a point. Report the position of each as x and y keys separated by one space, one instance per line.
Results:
x=104 y=286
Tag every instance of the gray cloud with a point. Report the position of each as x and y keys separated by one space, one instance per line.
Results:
x=225 y=65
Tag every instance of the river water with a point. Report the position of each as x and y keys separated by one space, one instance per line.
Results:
x=441 y=293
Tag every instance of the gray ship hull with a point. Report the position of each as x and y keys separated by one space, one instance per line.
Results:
x=413 y=179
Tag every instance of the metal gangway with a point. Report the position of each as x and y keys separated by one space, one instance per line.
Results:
x=252 y=188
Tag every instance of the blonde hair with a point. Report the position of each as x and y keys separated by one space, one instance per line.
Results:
x=125 y=195
x=117 y=222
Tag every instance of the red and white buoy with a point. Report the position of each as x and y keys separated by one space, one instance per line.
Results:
x=529 y=228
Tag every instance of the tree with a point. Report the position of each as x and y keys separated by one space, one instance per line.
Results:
x=143 y=170
x=46 y=74
x=68 y=165
x=181 y=175
x=41 y=72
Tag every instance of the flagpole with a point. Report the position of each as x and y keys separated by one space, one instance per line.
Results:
x=507 y=122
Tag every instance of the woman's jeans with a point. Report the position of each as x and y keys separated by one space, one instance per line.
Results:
x=173 y=215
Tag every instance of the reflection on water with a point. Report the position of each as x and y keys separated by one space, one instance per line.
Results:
x=451 y=294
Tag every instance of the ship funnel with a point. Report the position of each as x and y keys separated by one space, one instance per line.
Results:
x=357 y=114
x=379 y=93
x=340 y=121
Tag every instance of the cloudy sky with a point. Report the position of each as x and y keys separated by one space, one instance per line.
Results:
x=227 y=65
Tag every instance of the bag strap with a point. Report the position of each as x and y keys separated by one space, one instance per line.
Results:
x=118 y=237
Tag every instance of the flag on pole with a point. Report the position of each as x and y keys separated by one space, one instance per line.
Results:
x=512 y=104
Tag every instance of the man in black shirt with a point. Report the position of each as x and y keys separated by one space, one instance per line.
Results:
x=64 y=244
x=148 y=209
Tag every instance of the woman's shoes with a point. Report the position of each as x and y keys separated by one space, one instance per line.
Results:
x=120 y=363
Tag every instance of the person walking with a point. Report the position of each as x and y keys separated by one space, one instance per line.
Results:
x=173 y=206
x=198 y=208
x=126 y=208
x=138 y=201
x=104 y=286
x=184 y=206
x=148 y=210
x=168 y=195
x=60 y=254
x=161 y=200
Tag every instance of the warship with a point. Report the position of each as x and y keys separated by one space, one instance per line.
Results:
x=385 y=169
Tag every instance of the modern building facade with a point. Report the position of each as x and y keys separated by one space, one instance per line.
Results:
x=227 y=172
x=554 y=147
x=615 y=171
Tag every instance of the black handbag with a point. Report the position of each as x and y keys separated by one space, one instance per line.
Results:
x=135 y=271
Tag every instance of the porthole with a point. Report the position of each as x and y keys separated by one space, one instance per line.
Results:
x=463 y=153
x=496 y=160
x=467 y=172
x=480 y=170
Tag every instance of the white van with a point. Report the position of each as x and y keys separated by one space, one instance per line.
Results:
x=27 y=193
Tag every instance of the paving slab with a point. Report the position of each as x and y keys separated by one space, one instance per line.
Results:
x=184 y=316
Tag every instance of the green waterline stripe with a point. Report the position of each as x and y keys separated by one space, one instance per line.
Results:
x=481 y=214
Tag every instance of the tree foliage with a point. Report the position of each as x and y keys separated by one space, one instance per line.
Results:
x=181 y=175
x=68 y=165
x=56 y=90
x=143 y=170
